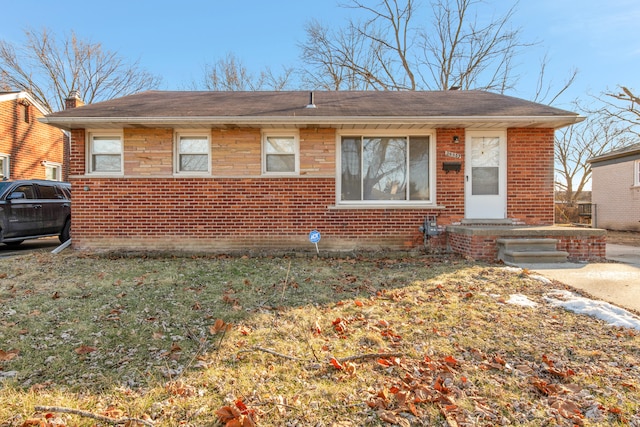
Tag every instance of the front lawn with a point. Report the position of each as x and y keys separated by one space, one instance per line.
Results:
x=403 y=340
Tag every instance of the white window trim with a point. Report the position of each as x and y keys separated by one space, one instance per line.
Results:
x=6 y=172
x=176 y=153
x=636 y=173
x=282 y=133
x=55 y=165
x=378 y=204
x=89 y=149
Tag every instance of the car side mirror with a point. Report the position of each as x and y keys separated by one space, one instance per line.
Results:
x=17 y=195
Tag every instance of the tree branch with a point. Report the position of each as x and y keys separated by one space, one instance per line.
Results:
x=91 y=415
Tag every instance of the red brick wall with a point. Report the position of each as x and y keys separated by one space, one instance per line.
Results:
x=484 y=248
x=77 y=165
x=230 y=214
x=591 y=248
x=475 y=247
x=530 y=156
x=239 y=209
x=28 y=144
x=450 y=186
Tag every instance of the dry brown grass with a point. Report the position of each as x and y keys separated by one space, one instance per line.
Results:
x=630 y=238
x=297 y=341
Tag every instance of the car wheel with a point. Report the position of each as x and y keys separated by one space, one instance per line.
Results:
x=14 y=243
x=66 y=232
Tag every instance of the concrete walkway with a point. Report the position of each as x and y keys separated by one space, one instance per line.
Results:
x=615 y=282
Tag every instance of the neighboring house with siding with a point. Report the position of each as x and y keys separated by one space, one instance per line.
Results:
x=616 y=189
x=29 y=149
x=239 y=171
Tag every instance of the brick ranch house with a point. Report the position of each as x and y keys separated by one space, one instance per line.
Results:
x=243 y=171
x=28 y=149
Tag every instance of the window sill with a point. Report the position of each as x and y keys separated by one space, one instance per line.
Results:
x=386 y=206
x=192 y=175
x=280 y=174
x=105 y=175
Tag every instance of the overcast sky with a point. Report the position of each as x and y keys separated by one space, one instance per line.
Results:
x=175 y=39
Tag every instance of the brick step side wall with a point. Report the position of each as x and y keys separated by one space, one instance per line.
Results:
x=481 y=244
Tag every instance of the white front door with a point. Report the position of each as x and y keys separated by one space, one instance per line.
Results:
x=485 y=175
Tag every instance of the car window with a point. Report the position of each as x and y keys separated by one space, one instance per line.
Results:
x=26 y=189
x=48 y=192
x=66 y=191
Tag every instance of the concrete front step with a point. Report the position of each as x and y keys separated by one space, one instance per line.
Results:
x=525 y=244
x=534 y=257
x=530 y=250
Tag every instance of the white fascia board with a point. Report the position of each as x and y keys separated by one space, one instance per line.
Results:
x=24 y=95
x=68 y=122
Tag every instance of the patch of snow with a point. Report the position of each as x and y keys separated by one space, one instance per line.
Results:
x=513 y=269
x=519 y=299
x=540 y=279
x=611 y=314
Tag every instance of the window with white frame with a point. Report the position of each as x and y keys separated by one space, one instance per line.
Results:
x=385 y=169
x=280 y=153
x=636 y=171
x=193 y=153
x=4 y=166
x=53 y=171
x=105 y=153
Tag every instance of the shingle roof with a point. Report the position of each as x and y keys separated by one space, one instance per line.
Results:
x=331 y=107
x=629 y=150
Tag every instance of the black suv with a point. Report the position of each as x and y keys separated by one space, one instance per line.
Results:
x=30 y=209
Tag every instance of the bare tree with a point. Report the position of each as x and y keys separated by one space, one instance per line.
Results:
x=333 y=60
x=50 y=68
x=459 y=51
x=576 y=144
x=546 y=91
x=230 y=74
x=397 y=47
x=623 y=105
x=373 y=54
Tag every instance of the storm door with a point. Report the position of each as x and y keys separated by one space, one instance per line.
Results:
x=485 y=176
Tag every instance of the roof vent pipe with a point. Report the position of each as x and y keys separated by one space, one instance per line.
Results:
x=311 y=101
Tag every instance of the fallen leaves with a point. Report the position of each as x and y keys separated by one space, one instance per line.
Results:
x=85 y=349
x=180 y=388
x=219 y=326
x=6 y=356
x=385 y=342
x=347 y=366
x=237 y=415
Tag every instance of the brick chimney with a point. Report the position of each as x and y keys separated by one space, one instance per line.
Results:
x=73 y=100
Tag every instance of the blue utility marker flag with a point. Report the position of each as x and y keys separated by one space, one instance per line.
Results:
x=314 y=237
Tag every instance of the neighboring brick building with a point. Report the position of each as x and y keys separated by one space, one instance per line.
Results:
x=237 y=171
x=615 y=192
x=29 y=149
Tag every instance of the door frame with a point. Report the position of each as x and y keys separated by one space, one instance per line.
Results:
x=486 y=207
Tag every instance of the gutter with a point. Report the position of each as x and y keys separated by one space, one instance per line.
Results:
x=69 y=122
x=615 y=156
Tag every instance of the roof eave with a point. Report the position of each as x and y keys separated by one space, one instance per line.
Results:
x=25 y=95
x=555 y=122
x=606 y=157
